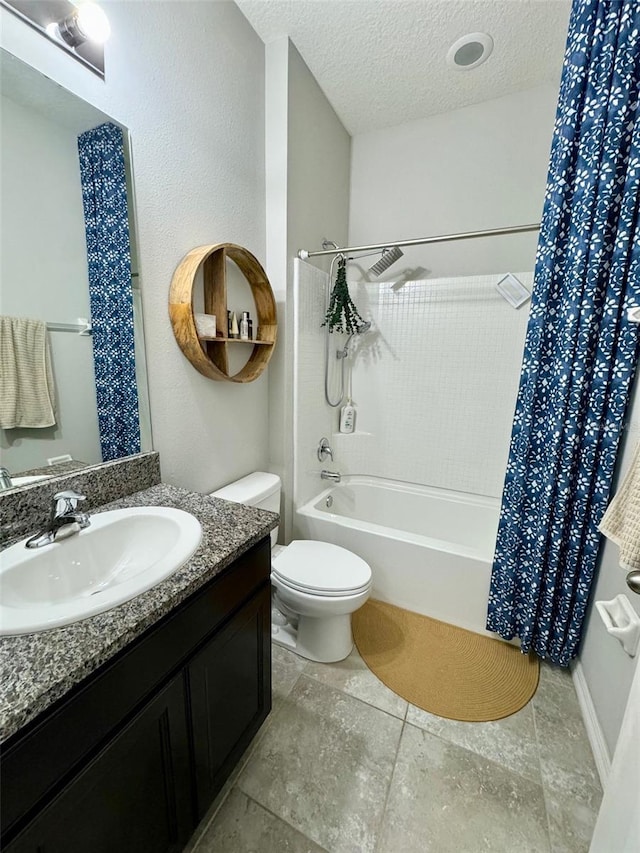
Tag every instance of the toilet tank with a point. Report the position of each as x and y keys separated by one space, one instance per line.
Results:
x=259 y=489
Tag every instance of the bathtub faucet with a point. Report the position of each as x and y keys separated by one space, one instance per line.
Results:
x=330 y=475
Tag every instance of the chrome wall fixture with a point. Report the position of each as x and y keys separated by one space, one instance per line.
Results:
x=80 y=29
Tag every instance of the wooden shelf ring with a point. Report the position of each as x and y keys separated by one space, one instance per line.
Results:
x=209 y=356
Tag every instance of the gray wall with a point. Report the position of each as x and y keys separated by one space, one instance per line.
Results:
x=307 y=200
x=44 y=277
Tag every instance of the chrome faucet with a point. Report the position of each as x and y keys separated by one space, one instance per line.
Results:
x=330 y=475
x=5 y=479
x=324 y=450
x=63 y=514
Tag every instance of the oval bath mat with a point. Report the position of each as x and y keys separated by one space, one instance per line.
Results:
x=441 y=668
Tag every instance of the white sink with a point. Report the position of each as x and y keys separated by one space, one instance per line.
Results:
x=25 y=481
x=123 y=553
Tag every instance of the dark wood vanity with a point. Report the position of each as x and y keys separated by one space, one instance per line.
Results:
x=132 y=757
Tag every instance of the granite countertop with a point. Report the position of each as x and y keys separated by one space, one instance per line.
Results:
x=37 y=669
x=53 y=470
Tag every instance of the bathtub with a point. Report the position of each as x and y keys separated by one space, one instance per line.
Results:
x=430 y=550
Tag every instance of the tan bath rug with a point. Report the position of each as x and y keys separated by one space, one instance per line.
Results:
x=441 y=668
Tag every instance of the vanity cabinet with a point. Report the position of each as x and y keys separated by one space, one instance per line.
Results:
x=226 y=686
x=132 y=758
x=132 y=796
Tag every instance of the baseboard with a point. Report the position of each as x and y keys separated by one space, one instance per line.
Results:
x=592 y=724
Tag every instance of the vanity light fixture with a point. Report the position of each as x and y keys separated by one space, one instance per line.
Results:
x=87 y=23
x=79 y=28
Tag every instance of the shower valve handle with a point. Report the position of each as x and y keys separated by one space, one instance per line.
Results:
x=324 y=450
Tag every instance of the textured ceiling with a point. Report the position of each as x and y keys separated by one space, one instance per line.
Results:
x=382 y=62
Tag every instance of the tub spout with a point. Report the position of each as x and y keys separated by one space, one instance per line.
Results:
x=330 y=475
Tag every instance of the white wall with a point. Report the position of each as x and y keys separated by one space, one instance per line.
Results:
x=313 y=418
x=187 y=79
x=483 y=166
x=308 y=153
x=607 y=669
x=436 y=381
x=280 y=422
x=43 y=270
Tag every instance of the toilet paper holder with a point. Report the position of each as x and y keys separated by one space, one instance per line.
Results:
x=621 y=621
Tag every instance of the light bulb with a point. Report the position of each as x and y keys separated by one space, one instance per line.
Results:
x=93 y=22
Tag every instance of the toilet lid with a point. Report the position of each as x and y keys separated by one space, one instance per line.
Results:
x=312 y=566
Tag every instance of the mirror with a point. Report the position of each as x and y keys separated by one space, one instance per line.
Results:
x=44 y=272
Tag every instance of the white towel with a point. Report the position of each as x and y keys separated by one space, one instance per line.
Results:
x=621 y=521
x=26 y=380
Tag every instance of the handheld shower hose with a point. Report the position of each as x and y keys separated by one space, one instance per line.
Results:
x=327 y=335
x=389 y=257
x=341 y=354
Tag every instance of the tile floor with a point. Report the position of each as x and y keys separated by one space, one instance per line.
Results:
x=343 y=765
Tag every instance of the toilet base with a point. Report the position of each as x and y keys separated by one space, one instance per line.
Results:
x=325 y=640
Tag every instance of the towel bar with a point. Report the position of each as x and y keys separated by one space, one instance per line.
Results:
x=82 y=327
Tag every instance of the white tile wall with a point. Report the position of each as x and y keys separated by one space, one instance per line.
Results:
x=434 y=382
x=312 y=418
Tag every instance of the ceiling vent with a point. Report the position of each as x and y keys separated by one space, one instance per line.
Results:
x=470 y=51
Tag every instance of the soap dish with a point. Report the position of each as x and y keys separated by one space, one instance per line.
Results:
x=621 y=621
x=513 y=290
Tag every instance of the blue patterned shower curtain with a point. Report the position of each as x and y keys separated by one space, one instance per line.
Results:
x=104 y=196
x=580 y=350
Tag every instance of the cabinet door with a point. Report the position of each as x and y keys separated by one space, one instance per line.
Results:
x=230 y=690
x=134 y=796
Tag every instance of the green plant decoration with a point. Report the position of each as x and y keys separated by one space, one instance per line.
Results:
x=342 y=314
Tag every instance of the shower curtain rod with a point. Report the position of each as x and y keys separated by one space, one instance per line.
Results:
x=422 y=241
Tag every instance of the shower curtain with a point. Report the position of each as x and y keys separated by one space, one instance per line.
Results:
x=104 y=197
x=581 y=350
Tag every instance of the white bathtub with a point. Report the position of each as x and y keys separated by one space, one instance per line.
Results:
x=430 y=550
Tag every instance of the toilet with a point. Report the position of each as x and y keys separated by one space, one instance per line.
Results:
x=316 y=586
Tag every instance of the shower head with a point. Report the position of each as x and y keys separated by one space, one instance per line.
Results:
x=361 y=330
x=389 y=256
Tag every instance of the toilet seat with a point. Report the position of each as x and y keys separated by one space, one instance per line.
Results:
x=319 y=568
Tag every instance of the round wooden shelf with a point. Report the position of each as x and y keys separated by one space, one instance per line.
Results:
x=209 y=355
